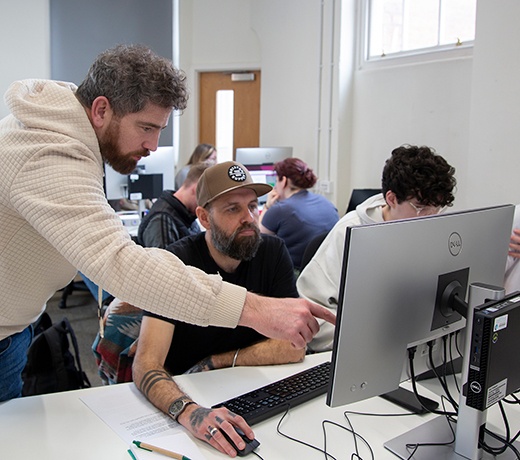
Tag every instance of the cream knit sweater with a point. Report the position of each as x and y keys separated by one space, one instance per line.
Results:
x=54 y=220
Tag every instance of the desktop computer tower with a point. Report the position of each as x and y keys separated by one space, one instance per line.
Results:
x=145 y=186
x=494 y=369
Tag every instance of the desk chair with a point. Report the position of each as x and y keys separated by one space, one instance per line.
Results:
x=83 y=284
x=311 y=248
x=359 y=195
x=69 y=289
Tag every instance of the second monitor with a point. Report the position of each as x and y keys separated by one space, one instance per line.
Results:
x=262 y=156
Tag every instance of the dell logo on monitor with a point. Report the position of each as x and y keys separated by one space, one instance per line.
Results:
x=455 y=244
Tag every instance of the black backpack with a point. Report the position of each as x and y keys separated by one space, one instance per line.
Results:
x=50 y=365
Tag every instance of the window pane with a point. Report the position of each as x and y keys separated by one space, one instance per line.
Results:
x=386 y=26
x=458 y=18
x=224 y=124
x=406 y=25
x=421 y=24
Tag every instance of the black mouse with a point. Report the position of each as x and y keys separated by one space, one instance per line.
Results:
x=251 y=444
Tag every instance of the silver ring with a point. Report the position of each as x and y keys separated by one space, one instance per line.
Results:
x=213 y=431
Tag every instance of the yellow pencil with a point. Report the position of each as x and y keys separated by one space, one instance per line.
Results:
x=168 y=453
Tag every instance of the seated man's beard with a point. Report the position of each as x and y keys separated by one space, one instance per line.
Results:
x=123 y=164
x=235 y=246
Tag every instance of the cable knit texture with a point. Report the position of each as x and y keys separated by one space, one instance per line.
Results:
x=54 y=220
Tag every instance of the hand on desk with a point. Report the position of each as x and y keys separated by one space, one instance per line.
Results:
x=514 y=246
x=162 y=391
x=201 y=422
x=293 y=320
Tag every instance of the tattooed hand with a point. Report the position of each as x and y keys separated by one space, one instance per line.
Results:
x=201 y=420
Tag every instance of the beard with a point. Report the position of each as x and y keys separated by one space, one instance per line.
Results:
x=235 y=246
x=112 y=154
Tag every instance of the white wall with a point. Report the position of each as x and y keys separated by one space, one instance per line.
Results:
x=290 y=70
x=495 y=106
x=25 y=38
x=423 y=104
x=214 y=35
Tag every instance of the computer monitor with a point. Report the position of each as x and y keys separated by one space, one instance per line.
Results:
x=261 y=156
x=263 y=176
x=162 y=161
x=393 y=280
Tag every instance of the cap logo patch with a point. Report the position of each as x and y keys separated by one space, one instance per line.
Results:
x=237 y=174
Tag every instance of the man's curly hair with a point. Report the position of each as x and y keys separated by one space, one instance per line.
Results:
x=418 y=172
x=132 y=76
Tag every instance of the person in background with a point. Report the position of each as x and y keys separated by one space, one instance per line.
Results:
x=173 y=214
x=294 y=213
x=232 y=246
x=56 y=219
x=512 y=275
x=202 y=153
x=416 y=182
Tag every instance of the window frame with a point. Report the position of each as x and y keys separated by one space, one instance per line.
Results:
x=434 y=53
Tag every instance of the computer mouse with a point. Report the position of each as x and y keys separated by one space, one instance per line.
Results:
x=251 y=444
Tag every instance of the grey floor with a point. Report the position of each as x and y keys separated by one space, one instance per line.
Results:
x=81 y=312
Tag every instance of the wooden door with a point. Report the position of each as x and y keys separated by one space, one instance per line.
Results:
x=246 y=124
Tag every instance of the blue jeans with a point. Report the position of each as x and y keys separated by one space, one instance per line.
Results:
x=93 y=288
x=13 y=356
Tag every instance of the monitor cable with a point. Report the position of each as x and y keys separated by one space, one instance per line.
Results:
x=355 y=455
x=450 y=420
x=279 y=431
x=411 y=355
x=257 y=454
x=441 y=378
x=454 y=339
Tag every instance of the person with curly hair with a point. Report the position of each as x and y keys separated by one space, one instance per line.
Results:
x=416 y=182
x=294 y=213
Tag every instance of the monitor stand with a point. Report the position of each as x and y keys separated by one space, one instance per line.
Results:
x=461 y=438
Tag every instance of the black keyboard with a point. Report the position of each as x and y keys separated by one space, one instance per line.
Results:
x=277 y=397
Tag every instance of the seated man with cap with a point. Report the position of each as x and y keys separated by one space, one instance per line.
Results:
x=232 y=246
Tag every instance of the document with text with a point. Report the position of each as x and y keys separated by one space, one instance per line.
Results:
x=130 y=414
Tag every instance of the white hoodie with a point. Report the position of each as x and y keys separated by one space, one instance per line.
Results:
x=54 y=219
x=319 y=280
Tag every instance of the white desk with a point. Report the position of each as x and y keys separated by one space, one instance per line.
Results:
x=59 y=426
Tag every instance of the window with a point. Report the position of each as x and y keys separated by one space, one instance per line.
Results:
x=224 y=124
x=404 y=27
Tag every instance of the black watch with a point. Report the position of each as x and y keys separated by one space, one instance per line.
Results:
x=177 y=407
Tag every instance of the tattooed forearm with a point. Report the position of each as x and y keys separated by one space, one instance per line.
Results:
x=204 y=365
x=150 y=379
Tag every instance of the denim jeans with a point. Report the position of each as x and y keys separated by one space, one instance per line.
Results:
x=94 y=289
x=13 y=356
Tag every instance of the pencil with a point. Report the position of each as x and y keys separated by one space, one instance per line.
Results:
x=168 y=453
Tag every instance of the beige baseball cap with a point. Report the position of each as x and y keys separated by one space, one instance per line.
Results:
x=223 y=178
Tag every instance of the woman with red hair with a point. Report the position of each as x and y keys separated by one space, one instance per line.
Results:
x=294 y=213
